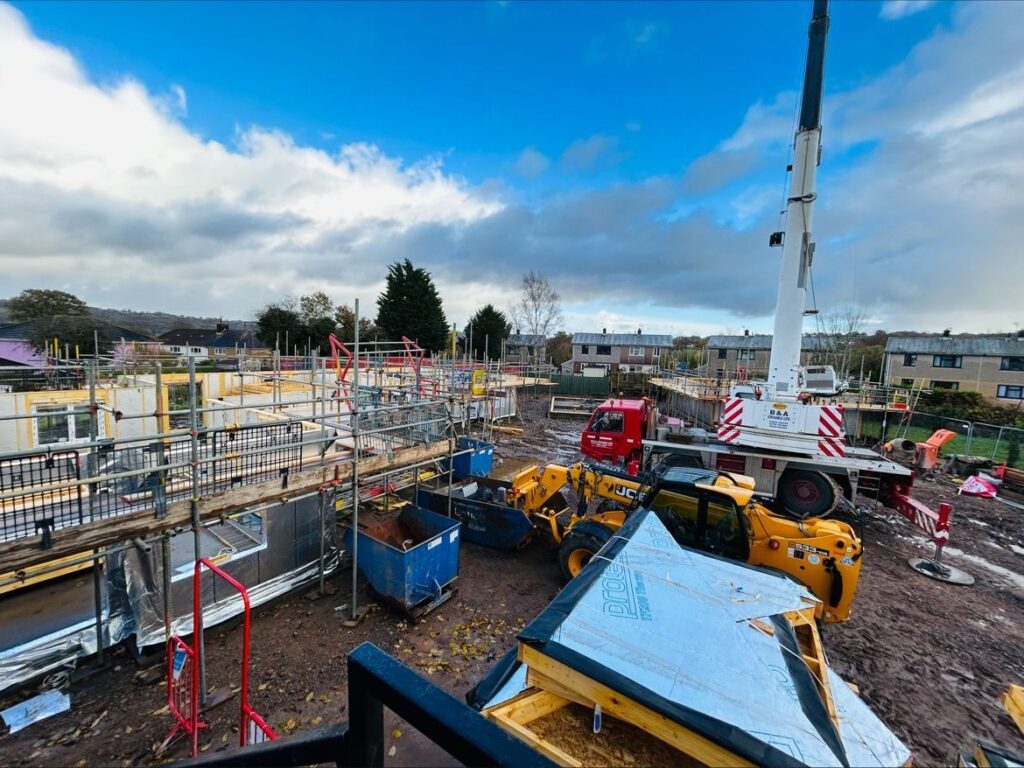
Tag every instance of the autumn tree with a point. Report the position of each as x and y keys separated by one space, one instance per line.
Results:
x=839 y=332
x=560 y=348
x=539 y=310
x=489 y=328
x=345 y=320
x=411 y=306
x=315 y=306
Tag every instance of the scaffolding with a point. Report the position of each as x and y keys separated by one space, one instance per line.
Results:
x=123 y=453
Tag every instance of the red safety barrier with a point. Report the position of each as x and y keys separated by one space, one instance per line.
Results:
x=183 y=674
x=183 y=692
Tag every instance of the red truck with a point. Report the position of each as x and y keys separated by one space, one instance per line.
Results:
x=618 y=428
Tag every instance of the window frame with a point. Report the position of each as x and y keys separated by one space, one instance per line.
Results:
x=939 y=361
x=71 y=422
x=1003 y=391
x=746 y=354
x=951 y=385
x=723 y=354
x=1008 y=362
x=909 y=359
x=187 y=570
x=636 y=351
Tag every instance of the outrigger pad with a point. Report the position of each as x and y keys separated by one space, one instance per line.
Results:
x=940 y=571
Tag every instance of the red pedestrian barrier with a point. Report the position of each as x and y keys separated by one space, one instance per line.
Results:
x=183 y=674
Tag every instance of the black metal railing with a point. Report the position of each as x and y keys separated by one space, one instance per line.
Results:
x=375 y=681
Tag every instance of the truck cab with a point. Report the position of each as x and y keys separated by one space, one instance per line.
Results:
x=616 y=432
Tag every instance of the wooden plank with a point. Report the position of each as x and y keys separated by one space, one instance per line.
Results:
x=541 y=745
x=542 y=681
x=529 y=705
x=23 y=553
x=614 y=703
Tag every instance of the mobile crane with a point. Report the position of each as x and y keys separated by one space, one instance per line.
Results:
x=788 y=431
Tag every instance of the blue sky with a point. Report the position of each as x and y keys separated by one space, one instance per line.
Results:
x=478 y=82
x=560 y=136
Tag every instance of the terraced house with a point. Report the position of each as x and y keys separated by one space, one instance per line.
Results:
x=599 y=353
x=992 y=365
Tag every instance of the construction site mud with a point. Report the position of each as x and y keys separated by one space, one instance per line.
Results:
x=931 y=659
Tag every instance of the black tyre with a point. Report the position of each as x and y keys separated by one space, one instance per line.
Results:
x=583 y=541
x=805 y=493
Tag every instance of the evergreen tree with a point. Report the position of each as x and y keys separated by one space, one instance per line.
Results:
x=279 y=325
x=37 y=303
x=491 y=327
x=410 y=306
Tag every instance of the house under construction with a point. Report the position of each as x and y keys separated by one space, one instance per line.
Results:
x=119 y=474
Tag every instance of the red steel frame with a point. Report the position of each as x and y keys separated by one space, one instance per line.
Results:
x=189 y=721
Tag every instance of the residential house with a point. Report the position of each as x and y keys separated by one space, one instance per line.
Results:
x=523 y=348
x=16 y=349
x=220 y=343
x=747 y=356
x=989 y=364
x=627 y=352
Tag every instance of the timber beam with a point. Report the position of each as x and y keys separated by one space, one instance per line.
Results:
x=24 y=553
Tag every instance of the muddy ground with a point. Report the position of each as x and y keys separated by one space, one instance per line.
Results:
x=931 y=659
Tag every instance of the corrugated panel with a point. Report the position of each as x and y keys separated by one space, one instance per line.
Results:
x=579 y=385
x=623 y=339
x=956 y=345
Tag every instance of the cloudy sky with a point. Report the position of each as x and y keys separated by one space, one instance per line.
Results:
x=208 y=159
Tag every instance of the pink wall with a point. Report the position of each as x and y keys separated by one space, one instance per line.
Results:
x=18 y=351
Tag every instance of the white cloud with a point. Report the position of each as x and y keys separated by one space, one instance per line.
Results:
x=106 y=192
x=531 y=163
x=108 y=178
x=643 y=33
x=900 y=9
x=586 y=154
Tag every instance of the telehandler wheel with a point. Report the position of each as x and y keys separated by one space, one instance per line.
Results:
x=805 y=493
x=583 y=541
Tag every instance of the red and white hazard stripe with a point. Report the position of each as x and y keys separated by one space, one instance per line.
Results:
x=732 y=413
x=830 y=421
x=728 y=433
x=831 y=446
x=732 y=419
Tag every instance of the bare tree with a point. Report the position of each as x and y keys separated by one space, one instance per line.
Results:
x=539 y=311
x=839 y=332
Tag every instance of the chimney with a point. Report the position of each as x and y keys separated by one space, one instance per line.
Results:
x=1020 y=335
x=746 y=331
x=221 y=326
x=639 y=331
x=947 y=332
x=604 y=331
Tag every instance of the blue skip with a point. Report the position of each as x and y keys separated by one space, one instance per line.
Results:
x=479 y=504
x=411 y=559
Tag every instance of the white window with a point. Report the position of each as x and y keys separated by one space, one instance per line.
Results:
x=237 y=537
x=57 y=423
x=219 y=351
x=636 y=351
x=176 y=350
x=656 y=351
x=745 y=354
x=195 y=350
